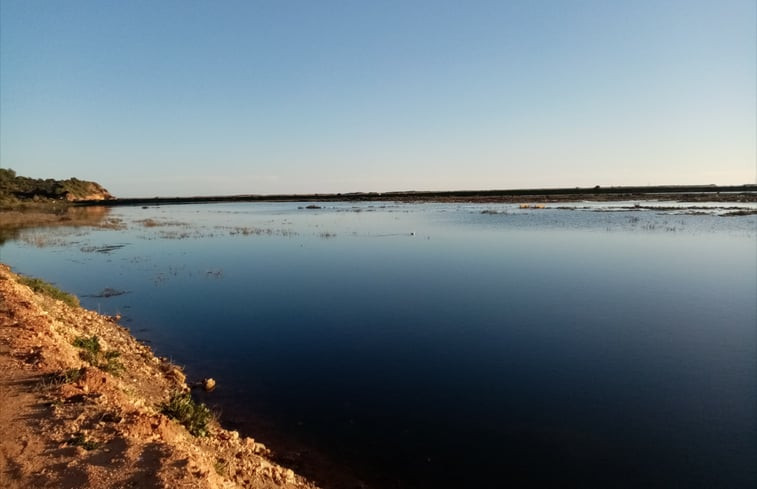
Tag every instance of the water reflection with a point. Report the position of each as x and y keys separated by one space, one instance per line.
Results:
x=439 y=346
x=24 y=225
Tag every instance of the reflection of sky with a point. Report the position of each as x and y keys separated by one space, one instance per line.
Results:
x=569 y=331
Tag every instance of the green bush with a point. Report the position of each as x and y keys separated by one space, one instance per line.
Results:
x=93 y=354
x=195 y=417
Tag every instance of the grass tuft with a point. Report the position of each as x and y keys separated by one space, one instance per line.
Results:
x=79 y=440
x=91 y=344
x=93 y=354
x=70 y=376
x=48 y=289
x=221 y=467
x=57 y=379
x=195 y=417
x=112 y=364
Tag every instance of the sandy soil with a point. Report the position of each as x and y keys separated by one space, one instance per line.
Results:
x=104 y=430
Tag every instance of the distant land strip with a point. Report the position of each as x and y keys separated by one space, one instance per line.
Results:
x=695 y=193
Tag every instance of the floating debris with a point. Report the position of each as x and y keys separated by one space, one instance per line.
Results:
x=108 y=292
x=101 y=249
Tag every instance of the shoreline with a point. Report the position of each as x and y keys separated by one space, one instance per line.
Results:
x=80 y=423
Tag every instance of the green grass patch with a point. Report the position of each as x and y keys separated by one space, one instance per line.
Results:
x=195 y=417
x=71 y=375
x=90 y=345
x=79 y=440
x=48 y=289
x=112 y=364
x=57 y=379
x=92 y=353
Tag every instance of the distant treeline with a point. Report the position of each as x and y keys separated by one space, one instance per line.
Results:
x=17 y=189
x=679 y=192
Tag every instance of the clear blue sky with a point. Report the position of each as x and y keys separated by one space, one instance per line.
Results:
x=198 y=97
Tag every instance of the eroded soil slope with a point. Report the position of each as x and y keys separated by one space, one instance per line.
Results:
x=66 y=423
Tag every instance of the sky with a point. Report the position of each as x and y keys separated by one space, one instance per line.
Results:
x=163 y=98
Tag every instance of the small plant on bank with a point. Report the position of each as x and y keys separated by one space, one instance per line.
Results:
x=93 y=354
x=48 y=289
x=221 y=467
x=91 y=349
x=112 y=364
x=70 y=376
x=79 y=440
x=195 y=417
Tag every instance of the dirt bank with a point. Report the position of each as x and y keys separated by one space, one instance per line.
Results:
x=78 y=416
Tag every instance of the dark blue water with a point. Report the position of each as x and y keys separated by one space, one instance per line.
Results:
x=433 y=346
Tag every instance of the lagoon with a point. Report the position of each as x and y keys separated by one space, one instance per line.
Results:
x=447 y=345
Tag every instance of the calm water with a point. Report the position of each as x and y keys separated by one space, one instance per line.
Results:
x=436 y=346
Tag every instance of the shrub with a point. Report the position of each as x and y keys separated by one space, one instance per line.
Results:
x=93 y=354
x=195 y=417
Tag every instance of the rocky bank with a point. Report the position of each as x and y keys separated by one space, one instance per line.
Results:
x=70 y=421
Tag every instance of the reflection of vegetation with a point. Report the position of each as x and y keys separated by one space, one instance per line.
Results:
x=109 y=292
x=48 y=289
x=29 y=202
x=8 y=234
x=195 y=417
x=255 y=231
x=742 y=212
x=152 y=223
x=149 y=223
x=12 y=222
x=106 y=249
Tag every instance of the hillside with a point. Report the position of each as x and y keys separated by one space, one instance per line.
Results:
x=16 y=189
